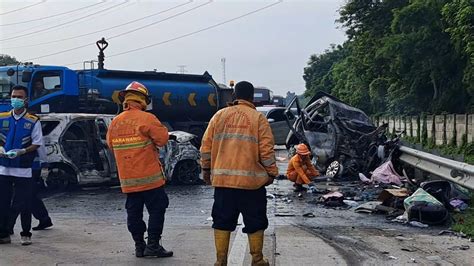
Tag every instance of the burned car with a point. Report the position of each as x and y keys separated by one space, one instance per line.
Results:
x=342 y=139
x=77 y=152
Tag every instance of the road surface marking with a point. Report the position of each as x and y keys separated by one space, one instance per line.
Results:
x=239 y=246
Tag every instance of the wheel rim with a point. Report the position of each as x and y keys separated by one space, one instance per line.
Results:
x=333 y=169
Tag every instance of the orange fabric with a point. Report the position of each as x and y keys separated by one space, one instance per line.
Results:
x=300 y=170
x=133 y=136
x=237 y=148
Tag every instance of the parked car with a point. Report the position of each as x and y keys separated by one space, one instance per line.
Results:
x=343 y=140
x=77 y=151
x=277 y=119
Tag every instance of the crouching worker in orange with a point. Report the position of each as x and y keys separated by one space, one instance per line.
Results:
x=300 y=169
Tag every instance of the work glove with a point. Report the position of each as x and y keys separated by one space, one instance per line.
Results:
x=2 y=151
x=12 y=154
x=206 y=175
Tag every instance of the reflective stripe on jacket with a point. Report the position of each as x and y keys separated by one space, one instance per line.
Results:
x=16 y=134
x=302 y=168
x=133 y=136
x=237 y=148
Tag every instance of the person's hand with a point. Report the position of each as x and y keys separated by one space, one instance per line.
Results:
x=12 y=154
x=206 y=175
x=2 y=151
x=270 y=180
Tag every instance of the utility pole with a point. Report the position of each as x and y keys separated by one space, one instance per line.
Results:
x=182 y=69
x=224 y=81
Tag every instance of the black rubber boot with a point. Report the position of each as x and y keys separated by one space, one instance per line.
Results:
x=299 y=188
x=154 y=249
x=140 y=245
x=43 y=225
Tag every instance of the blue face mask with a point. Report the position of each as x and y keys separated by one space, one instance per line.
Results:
x=17 y=103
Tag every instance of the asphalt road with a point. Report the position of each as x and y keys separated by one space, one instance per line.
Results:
x=90 y=229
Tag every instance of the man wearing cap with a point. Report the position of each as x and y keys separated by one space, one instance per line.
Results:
x=134 y=136
x=300 y=169
x=238 y=159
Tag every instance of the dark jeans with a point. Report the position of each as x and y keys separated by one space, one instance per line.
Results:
x=22 y=188
x=230 y=202
x=38 y=209
x=156 y=202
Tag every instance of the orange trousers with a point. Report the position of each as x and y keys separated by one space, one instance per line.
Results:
x=300 y=180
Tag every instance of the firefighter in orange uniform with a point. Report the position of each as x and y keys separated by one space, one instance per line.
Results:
x=134 y=136
x=300 y=169
x=238 y=159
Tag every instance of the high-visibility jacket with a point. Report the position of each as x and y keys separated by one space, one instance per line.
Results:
x=16 y=134
x=238 y=148
x=133 y=136
x=299 y=167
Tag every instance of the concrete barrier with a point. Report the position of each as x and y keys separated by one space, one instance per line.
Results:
x=414 y=127
x=461 y=128
x=470 y=128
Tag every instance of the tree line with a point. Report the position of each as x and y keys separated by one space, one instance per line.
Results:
x=400 y=57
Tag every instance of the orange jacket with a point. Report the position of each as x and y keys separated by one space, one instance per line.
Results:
x=133 y=136
x=302 y=168
x=238 y=148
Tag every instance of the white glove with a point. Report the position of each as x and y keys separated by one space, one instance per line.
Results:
x=44 y=174
x=12 y=154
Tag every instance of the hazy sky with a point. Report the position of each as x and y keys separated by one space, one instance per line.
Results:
x=268 y=48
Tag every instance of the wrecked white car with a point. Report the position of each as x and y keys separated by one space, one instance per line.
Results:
x=342 y=139
x=77 y=152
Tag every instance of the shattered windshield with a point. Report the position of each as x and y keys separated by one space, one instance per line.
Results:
x=341 y=110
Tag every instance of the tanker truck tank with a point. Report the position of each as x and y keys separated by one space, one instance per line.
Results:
x=175 y=97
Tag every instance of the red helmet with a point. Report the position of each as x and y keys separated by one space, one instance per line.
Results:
x=138 y=87
x=302 y=149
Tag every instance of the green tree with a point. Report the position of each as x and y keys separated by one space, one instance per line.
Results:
x=401 y=57
x=459 y=17
x=6 y=60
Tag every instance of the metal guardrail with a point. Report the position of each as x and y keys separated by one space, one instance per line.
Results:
x=454 y=171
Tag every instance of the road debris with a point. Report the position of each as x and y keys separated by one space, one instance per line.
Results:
x=462 y=247
x=418 y=224
x=309 y=215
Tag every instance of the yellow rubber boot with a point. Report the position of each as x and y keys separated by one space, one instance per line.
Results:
x=221 y=239
x=256 y=248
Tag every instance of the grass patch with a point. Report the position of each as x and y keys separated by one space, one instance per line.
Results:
x=464 y=222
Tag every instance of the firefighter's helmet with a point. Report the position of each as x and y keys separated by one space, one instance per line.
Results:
x=137 y=87
x=302 y=149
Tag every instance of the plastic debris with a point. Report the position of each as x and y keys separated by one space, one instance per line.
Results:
x=418 y=224
x=351 y=203
x=458 y=204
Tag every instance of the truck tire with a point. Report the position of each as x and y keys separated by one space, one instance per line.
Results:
x=186 y=172
x=61 y=178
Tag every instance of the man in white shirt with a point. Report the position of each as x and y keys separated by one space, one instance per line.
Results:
x=20 y=137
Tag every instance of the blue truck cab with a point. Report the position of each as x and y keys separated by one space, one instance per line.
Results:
x=50 y=88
